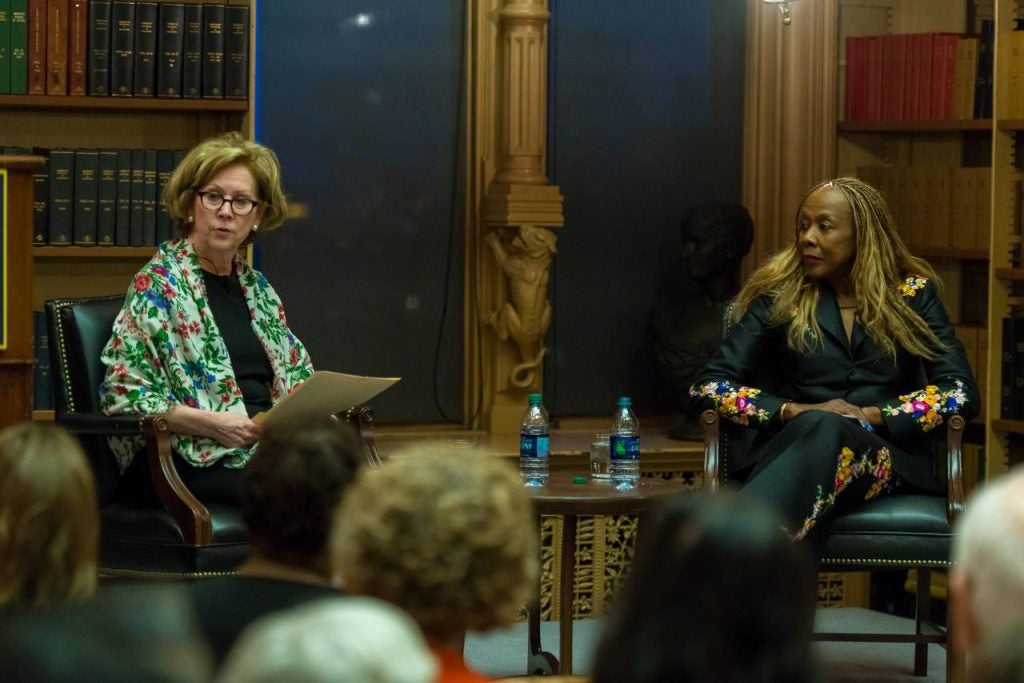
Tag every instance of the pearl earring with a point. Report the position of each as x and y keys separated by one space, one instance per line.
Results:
x=190 y=219
x=255 y=227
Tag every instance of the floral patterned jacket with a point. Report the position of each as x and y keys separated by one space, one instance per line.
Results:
x=755 y=371
x=165 y=349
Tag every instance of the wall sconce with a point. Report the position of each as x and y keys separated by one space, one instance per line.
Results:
x=784 y=9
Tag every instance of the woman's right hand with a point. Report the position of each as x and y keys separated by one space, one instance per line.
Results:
x=230 y=429
x=836 y=405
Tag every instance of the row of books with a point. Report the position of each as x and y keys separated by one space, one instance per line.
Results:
x=173 y=48
x=1011 y=388
x=1015 y=64
x=105 y=197
x=936 y=206
x=919 y=76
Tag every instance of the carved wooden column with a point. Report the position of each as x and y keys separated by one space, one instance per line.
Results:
x=512 y=208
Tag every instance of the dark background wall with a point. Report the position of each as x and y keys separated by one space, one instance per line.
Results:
x=361 y=102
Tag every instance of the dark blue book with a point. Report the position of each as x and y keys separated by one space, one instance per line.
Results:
x=144 y=77
x=42 y=386
x=62 y=196
x=122 y=48
x=192 y=52
x=106 y=199
x=87 y=166
x=170 y=49
x=213 y=51
x=98 y=59
x=41 y=199
x=164 y=169
x=137 y=234
x=236 y=52
x=123 y=210
x=149 y=198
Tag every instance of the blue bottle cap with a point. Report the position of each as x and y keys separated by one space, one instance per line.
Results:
x=624 y=401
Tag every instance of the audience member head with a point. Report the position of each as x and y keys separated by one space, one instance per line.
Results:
x=449 y=538
x=717 y=593
x=292 y=486
x=211 y=156
x=987 y=581
x=336 y=640
x=144 y=633
x=49 y=520
x=715 y=236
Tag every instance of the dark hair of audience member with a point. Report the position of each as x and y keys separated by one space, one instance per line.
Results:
x=49 y=519
x=292 y=485
x=717 y=594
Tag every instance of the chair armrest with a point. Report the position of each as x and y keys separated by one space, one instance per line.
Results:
x=362 y=419
x=191 y=515
x=954 y=467
x=99 y=424
x=712 y=445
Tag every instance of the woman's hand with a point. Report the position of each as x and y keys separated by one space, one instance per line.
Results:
x=230 y=429
x=870 y=414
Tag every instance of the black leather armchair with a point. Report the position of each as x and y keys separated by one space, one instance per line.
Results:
x=898 y=531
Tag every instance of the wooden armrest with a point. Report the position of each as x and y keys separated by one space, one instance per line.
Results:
x=954 y=467
x=362 y=419
x=712 y=444
x=192 y=516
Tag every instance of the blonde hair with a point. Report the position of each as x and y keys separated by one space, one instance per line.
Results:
x=212 y=156
x=449 y=538
x=881 y=263
x=49 y=519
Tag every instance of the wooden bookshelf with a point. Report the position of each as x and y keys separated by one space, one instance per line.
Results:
x=951 y=126
x=930 y=251
x=135 y=253
x=66 y=102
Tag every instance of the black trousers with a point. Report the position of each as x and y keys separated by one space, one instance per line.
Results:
x=213 y=484
x=818 y=465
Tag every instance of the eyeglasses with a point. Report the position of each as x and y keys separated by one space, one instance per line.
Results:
x=241 y=206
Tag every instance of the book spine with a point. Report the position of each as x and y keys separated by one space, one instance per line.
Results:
x=78 y=26
x=236 y=49
x=138 y=197
x=149 y=198
x=62 y=194
x=213 y=51
x=170 y=49
x=1006 y=410
x=41 y=200
x=87 y=162
x=42 y=393
x=123 y=211
x=146 y=16
x=57 y=47
x=164 y=169
x=5 y=47
x=873 y=110
x=19 y=47
x=37 y=47
x=99 y=47
x=1017 y=391
x=192 y=52
x=122 y=48
x=106 y=198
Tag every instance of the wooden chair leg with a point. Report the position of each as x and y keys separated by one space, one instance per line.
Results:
x=924 y=613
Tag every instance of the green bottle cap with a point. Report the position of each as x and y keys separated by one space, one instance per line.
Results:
x=579 y=479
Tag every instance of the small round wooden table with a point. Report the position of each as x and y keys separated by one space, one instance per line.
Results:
x=568 y=500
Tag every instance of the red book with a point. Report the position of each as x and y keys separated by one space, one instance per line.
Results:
x=57 y=47
x=925 y=57
x=873 y=89
x=37 y=47
x=77 y=47
x=943 y=75
x=894 y=61
x=856 y=71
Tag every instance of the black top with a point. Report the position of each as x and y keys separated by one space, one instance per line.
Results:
x=226 y=605
x=248 y=357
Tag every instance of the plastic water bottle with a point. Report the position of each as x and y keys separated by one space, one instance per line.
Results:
x=624 y=465
x=534 y=445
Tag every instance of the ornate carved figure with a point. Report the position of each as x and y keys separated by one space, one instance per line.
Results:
x=526 y=260
x=686 y=324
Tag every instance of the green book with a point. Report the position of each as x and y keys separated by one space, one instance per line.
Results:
x=19 y=47
x=5 y=47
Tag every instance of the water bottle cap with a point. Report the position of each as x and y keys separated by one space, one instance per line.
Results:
x=624 y=402
x=536 y=399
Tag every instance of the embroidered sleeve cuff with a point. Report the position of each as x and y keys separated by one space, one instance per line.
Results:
x=739 y=404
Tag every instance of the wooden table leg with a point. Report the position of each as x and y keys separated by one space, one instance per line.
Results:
x=567 y=591
x=538 y=662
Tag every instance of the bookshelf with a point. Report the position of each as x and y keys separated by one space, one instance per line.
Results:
x=897 y=155
x=109 y=122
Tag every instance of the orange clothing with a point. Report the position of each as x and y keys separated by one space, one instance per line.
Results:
x=453 y=668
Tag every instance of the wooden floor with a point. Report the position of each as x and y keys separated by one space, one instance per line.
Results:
x=570 y=442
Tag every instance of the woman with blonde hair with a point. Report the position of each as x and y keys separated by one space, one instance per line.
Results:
x=843 y=359
x=449 y=538
x=49 y=520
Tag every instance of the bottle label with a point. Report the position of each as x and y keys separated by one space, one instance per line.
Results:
x=625 y=447
x=534 y=446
